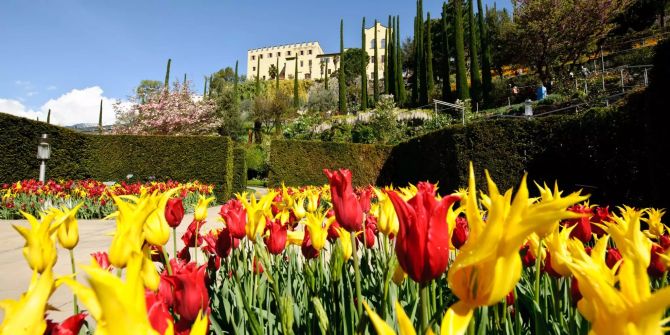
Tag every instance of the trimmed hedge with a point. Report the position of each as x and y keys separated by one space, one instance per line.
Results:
x=208 y=159
x=239 y=170
x=299 y=163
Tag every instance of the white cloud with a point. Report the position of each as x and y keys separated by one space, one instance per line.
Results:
x=51 y=88
x=76 y=106
x=22 y=83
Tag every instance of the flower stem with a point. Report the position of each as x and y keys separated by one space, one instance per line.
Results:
x=423 y=301
x=538 y=264
x=74 y=276
x=174 y=242
x=195 y=242
x=357 y=273
x=167 y=262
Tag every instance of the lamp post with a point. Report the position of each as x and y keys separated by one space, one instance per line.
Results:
x=528 y=111
x=43 y=153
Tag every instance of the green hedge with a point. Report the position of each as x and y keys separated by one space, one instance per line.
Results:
x=239 y=170
x=113 y=157
x=302 y=162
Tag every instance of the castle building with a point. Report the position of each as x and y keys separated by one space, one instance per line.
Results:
x=313 y=63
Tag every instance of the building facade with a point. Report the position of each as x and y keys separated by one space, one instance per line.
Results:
x=313 y=63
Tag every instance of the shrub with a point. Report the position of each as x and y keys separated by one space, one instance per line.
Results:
x=239 y=170
x=256 y=162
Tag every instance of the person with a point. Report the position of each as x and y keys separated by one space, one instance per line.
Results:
x=515 y=89
x=541 y=92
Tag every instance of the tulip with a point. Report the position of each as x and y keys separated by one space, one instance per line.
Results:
x=40 y=248
x=190 y=292
x=399 y=275
x=527 y=257
x=159 y=314
x=582 y=225
x=235 y=217
x=387 y=220
x=26 y=315
x=422 y=244
x=225 y=242
x=653 y=220
x=312 y=201
x=558 y=255
x=449 y=326
x=488 y=265
x=364 y=199
x=299 y=208
x=69 y=326
x=656 y=267
x=276 y=239
x=295 y=237
x=68 y=231
x=201 y=208
x=600 y=216
x=345 y=243
x=150 y=275
x=318 y=225
x=460 y=233
x=347 y=208
x=174 y=212
x=257 y=213
x=367 y=236
x=307 y=249
x=101 y=259
x=612 y=257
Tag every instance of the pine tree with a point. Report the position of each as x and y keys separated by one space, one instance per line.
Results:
x=421 y=56
x=364 y=72
x=475 y=79
x=167 y=74
x=375 y=79
x=236 y=97
x=277 y=77
x=342 y=84
x=402 y=93
x=49 y=116
x=296 y=85
x=487 y=86
x=258 y=76
x=461 y=74
x=99 y=118
x=429 y=57
x=446 y=68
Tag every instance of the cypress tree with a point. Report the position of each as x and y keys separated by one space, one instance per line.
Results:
x=364 y=72
x=375 y=79
x=209 y=94
x=296 y=85
x=342 y=85
x=461 y=74
x=99 y=118
x=236 y=98
x=277 y=77
x=446 y=68
x=258 y=76
x=49 y=114
x=387 y=84
x=204 y=94
x=475 y=79
x=487 y=86
x=421 y=56
x=167 y=74
x=402 y=93
x=184 y=79
x=393 y=69
x=415 y=75
x=429 y=57
x=325 y=81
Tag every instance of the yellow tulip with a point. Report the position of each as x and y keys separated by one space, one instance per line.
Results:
x=312 y=200
x=399 y=275
x=257 y=213
x=345 y=242
x=68 y=232
x=318 y=225
x=156 y=229
x=557 y=245
x=150 y=275
x=40 y=247
x=201 y=208
x=199 y=326
x=628 y=307
x=450 y=325
x=117 y=306
x=295 y=237
x=299 y=207
x=387 y=220
x=653 y=220
x=488 y=265
x=26 y=315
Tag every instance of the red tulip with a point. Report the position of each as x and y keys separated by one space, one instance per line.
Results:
x=547 y=267
x=600 y=215
x=575 y=294
x=276 y=241
x=612 y=257
x=184 y=254
x=308 y=251
x=509 y=299
x=235 y=217
x=190 y=291
x=364 y=199
x=656 y=267
x=583 y=230
x=225 y=242
x=460 y=233
x=664 y=241
x=157 y=309
x=348 y=209
x=527 y=256
x=210 y=239
x=103 y=260
x=69 y=326
x=333 y=234
x=422 y=244
x=257 y=266
x=174 y=212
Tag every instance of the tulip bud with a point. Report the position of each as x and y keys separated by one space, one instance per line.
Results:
x=308 y=251
x=174 y=212
x=656 y=267
x=399 y=275
x=348 y=210
x=460 y=233
x=612 y=257
x=276 y=240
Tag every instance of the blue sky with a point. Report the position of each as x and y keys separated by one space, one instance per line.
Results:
x=69 y=54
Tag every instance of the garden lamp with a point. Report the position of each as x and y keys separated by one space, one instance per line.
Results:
x=43 y=153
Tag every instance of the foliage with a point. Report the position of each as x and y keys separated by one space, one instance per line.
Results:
x=384 y=120
x=272 y=110
x=174 y=112
x=462 y=92
x=321 y=99
x=552 y=37
x=148 y=88
x=256 y=161
x=294 y=163
x=354 y=59
x=475 y=74
x=502 y=36
x=239 y=182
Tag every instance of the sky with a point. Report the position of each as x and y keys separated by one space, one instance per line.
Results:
x=67 y=55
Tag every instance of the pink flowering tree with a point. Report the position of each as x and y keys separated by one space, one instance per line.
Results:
x=169 y=112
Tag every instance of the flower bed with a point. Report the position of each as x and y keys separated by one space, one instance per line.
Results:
x=340 y=260
x=32 y=196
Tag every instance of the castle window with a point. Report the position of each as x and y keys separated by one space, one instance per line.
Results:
x=383 y=43
x=278 y=53
x=310 y=51
x=288 y=53
x=253 y=57
x=373 y=43
x=302 y=52
x=270 y=55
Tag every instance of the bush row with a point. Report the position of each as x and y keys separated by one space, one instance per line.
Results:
x=114 y=157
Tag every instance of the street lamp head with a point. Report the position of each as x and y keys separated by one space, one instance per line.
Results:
x=43 y=148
